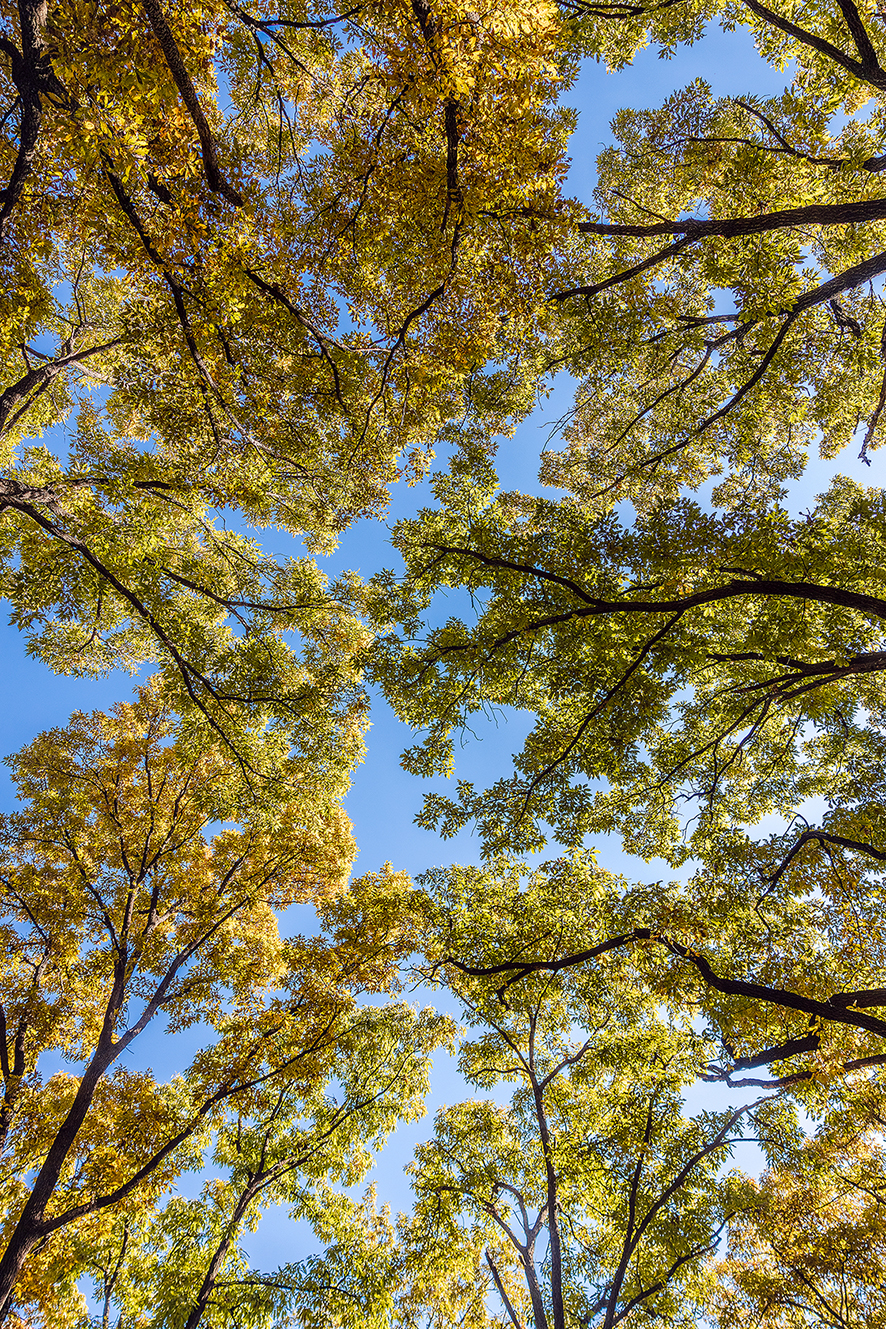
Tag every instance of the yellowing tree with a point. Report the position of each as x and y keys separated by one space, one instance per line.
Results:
x=121 y=908
x=252 y=260
x=254 y=264
x=808 y=1250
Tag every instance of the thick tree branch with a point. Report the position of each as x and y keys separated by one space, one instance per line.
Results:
x=176 y=64
x=514 y=1318
x=875 y=75
x=592 y=606
x=859 y=34
x=31 y=385
x=838 y=1009
x=31 y=74
x=696 y=228
x=625 y=275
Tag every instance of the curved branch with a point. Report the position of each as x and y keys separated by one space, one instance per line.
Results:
x=188 y=672
x=838 y=1009
x=824 y=837
x=847 y=280
x=277 y=293
x=593 y=606
x=600 y=706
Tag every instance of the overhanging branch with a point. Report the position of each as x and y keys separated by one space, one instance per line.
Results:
x=840 y=1008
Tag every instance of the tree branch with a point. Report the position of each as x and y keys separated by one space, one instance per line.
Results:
x=176 y=65
x=877 y=77
x=592 y=606
x=835 y=1010
x=36 y=381
x=501 y=1291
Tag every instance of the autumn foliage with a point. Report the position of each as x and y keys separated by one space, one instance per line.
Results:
x=258 y=265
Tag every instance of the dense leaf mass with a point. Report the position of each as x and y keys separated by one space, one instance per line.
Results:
x=688 y=672
x=251 y=264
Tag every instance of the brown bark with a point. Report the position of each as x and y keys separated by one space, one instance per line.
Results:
x=834 y=1009
x=30 y=74
x=219 y=1255
x=695 y=228
x=502 y=1292
x=172 y=55
x=551 y=1190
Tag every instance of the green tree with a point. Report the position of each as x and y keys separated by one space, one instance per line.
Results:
x=726 y=664
x=580 y=1193
x=690 y=668
x=730 y=314
x=262 y=262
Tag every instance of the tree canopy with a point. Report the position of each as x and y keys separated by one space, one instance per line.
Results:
x=212 y=225
x=257 y=265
